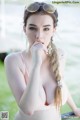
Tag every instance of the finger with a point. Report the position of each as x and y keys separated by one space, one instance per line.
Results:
x=44 y=47
x=35 y=43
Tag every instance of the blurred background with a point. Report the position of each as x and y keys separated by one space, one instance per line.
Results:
x=12 y=38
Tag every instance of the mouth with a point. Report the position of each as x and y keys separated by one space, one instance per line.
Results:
x=40 y=42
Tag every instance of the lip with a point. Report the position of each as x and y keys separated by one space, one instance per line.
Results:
x=38 y=43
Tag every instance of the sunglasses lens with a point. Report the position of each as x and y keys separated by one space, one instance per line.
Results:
x=33 y=7
x=49 y=8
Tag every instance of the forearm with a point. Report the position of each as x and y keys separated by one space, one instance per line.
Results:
x=71 y=103
x=30 y=97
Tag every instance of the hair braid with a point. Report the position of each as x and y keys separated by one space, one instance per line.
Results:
x=55 y=68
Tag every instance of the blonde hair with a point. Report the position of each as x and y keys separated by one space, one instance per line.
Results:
x=54 y=61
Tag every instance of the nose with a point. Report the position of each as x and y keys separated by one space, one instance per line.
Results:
x=39 y=36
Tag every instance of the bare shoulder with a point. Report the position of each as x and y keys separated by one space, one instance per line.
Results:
x=12 y=58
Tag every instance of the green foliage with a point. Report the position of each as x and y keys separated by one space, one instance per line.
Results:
x=7 y=101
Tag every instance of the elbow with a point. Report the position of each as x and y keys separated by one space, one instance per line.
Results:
x=26 y=110
x=30 y=113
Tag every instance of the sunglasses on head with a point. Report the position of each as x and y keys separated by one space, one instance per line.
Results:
x=34 y=7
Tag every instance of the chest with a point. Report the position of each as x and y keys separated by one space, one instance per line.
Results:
x=46 y=91
x=48 y=86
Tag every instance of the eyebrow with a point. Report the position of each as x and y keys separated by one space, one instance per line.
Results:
x=36 y=25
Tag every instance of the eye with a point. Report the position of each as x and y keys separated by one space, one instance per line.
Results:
x=32 y=28
x=46 y=29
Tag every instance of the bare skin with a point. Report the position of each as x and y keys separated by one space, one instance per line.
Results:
x=41 y=31
x=47 y=94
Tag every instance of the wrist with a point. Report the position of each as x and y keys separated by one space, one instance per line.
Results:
x=36 y=66
x=75 y=108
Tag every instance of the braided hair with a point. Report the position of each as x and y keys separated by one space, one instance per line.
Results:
x=54 y=61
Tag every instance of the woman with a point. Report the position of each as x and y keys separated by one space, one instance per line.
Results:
x=35 y=75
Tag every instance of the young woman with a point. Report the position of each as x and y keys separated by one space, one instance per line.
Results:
x=36 y=75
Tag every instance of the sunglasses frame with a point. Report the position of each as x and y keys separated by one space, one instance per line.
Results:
x=44 y=6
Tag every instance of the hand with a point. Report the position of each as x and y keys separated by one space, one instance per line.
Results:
x=77 y=112
x=38 y=50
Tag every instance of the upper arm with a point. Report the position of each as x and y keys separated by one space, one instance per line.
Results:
x=15 y=76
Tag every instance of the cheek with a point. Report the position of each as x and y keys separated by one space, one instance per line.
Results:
x=47 y=39
x=30 y=34
x=48 y=35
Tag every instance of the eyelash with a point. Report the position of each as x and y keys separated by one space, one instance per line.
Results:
x=47 y=29
x=32 y=28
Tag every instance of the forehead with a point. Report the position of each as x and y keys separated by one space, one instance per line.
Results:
x=40 y=20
